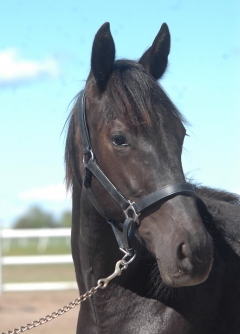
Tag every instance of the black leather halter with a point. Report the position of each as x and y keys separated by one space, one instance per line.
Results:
x=131 y=209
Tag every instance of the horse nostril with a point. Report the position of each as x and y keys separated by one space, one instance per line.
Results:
x=182 y=251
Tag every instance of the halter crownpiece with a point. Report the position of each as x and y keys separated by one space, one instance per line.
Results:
x=131 y=210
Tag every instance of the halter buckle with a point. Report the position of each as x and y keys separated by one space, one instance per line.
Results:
x=130 y=212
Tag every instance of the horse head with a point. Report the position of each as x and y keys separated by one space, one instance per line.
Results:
x=137 y=135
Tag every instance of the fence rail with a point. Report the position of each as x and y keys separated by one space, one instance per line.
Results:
x=35 y=233
x=41 y=234
x=41 y=286
x=36 y=259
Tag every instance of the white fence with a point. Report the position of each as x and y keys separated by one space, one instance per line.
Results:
x=43 y=235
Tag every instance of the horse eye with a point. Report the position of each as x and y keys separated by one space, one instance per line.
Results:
x=119 y=140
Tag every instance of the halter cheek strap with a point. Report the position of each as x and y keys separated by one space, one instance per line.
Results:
x=131 y=209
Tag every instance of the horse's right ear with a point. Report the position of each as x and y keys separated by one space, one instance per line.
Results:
x=155 y=59
x=103 y=55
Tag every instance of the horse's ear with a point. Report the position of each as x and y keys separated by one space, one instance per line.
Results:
x=155 y=59
x=103 y=55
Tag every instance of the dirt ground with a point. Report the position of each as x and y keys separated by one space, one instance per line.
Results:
x=19 y=308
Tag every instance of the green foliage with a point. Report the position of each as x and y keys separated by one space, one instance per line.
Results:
x=36 y=217
x=66 y=219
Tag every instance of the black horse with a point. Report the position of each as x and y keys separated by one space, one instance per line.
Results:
x=123 y=162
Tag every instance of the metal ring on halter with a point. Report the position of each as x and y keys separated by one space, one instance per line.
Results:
x=134 y=215
x=92 y=157
x=128 y=254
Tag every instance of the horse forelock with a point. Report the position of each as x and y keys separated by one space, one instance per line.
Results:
x=133 y=95
x=130 y=90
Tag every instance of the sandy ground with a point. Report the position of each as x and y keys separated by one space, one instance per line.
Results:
x=19 y=308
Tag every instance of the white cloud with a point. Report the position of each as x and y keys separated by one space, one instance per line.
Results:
x=53 y=192
x=14 y=70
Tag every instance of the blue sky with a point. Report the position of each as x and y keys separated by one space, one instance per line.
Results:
x=45 y=49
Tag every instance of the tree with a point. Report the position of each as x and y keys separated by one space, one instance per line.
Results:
x=66 y=219
x=35 y=217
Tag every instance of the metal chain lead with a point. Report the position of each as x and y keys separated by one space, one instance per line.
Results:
x=102 y=284
x=57 y=313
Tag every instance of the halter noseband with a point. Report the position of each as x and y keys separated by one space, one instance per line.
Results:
x=131 y=209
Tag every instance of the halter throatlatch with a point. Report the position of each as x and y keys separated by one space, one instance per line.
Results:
x=131 y=210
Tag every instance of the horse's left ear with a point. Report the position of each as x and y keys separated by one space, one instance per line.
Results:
x=155 y=59
x=103 y=55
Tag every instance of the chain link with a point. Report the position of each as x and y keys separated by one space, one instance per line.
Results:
x=101 y=284
x=57 y=313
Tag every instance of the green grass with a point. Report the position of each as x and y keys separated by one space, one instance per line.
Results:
x=41 y=272
x=36 y=246
x=38 y=273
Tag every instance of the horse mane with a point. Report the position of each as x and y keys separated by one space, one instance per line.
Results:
x=133 y=95
x=70 y=149
x=220 y=195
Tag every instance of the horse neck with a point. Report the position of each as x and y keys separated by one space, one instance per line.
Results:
x=93 y=242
